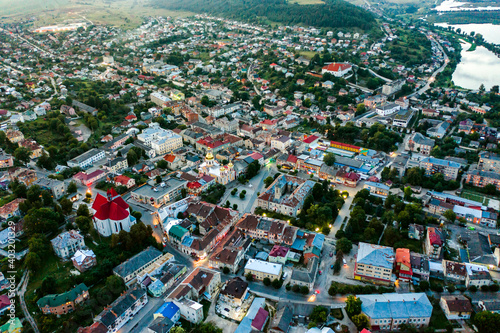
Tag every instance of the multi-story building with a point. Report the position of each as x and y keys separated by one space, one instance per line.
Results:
x=234 y=291
x=84 y=259
x=403 y=268
x=14 y=136
x=456 y=307
x=281 y=143
x=56 y=187
x=388 y=311
x=489 y=161
x=454 y=272
x=87 y=159
x=434 y=241
x=285 y=195
x=11 y=209
x=377 y=189
x=142 y=263
x=190 y=310
x=88 y=179
x=374 y=264
x=432 y=165
x=386 y=109
x=419 y=143
x=420 y=267
x=161 y=140
x=6 y=160
x=480 y=178
x=116 y=165
x=262 y=269
x=167 y=191
x=159 y=99
x=63 y=303
x=123 y=309
x=67 y=243
x=337 y=69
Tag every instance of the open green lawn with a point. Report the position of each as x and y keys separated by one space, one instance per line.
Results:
x=467 y=194
x=307 y=54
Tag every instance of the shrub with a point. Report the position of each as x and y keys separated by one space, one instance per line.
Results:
x=288 y=287
x=225 y=270
x=304 y=290
x=296 y=288
x=494 y=287
x=267 y=281
x=473 y=289
x=485 y=288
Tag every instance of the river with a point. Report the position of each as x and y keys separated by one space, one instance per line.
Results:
x=456 y=6
x=490 y=32
x=477 y=67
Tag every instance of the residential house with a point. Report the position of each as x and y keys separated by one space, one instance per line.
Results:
x=63 y=303
x=456 y=307
x=261 y=269
x=84 y=259
x=67 y=243
x=434 y=241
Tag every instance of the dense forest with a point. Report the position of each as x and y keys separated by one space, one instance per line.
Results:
x=331 y=14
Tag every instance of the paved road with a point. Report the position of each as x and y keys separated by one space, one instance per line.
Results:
x=21 y=289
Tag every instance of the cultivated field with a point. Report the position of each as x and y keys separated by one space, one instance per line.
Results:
x=121 y=13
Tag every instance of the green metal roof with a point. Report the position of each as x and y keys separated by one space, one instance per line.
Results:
x=56 y=300
x=177 y=231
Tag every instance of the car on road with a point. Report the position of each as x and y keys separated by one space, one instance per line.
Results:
x=320 y=272
x=331 y=266
x=345 y=262
x=331 y=254
x=316 y=292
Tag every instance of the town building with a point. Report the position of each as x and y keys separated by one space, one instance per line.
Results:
x=420 y=144
x=223 y=174
x=489 y=161
x=337 y=69
x=403 y=268
x=111 y=214
x=56 y=187
x=434 y=241
x=144 y=262
x=63 y=303
x=168 y=190
x=374 y=264
x=84 y=259
x=387 y=312
x=234 y=292
x=281 y=321
x=448 y=169
x=285 y=195
x=456 y=307
x=386 y=109
x=87 y=159
x=261 y=269
x=67 y=243
x=123 y=309
x=480 y=178
x=377 y=189
x=306 y=277
x=11 y=209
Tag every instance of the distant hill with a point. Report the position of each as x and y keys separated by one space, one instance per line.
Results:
x=331 y=14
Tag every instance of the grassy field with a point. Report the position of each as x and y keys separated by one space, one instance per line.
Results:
x=121 y=13
x=307 y=54
x=475 y=196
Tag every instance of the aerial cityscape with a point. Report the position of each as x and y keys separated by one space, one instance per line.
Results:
x=229 y=166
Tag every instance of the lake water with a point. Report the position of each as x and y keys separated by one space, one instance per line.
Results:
x=490 y=32
x=477 y=67
x=455 y=6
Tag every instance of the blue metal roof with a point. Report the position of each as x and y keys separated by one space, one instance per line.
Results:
x=396 y=306
x=168 y=310
x=299 y=244
x=318 y=241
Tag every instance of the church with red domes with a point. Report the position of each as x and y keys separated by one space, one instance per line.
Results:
x=111 y=214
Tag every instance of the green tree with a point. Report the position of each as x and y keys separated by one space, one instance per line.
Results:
x=277 y=283
x=268 y=181
x=361 y=321
x=84 y=223
x=267 y=281
x=408 y=193
x=33 y=261
x=83 y=210
x=115 y=284
x=352 y=305
x=344 y=245
x=177 y=329
x=132 y=158
x=487 y=322
x=329 y=159
x=319 y=314
x=450 y=215
x=72 y=188
x=22 y=154
x=226 y=270
x=249 y=277
x=242 y=195
x=304 y=290
x=66 y=206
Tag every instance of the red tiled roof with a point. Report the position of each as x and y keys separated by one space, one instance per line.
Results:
x=311 y=139
x=335 y=67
